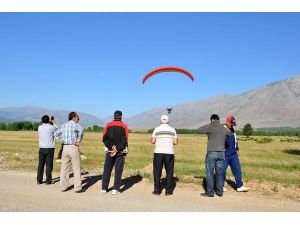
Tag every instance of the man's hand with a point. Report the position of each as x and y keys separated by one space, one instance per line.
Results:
x=113 y=151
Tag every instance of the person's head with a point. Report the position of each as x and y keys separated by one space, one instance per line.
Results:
x=74 y=116
x=164 y=119
x=45 y=119
x=230 y=122
x=118 y=115
x=214 y=118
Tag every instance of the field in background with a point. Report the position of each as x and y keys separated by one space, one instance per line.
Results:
x=277 y=161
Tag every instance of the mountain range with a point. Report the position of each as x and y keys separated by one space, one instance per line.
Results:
x=273 y=105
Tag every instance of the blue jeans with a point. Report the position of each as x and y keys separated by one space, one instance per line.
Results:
x=234 y=162
x=214 y=161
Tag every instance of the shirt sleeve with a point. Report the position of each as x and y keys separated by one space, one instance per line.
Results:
x=105 y=139
x=175 y=134
x=79 y=133
x=204 y=129
x=153 y=134
x=126 y=131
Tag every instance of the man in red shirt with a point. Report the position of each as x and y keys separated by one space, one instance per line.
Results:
x=115 y=139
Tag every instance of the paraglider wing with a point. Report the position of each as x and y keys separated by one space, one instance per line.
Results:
x=168 y=69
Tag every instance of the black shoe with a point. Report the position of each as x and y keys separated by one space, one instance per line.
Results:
x=220 y=194
x=81 y=191
x=156 y=193
x=49 y=182
x=64 y=190
x=39 y=182
x=207 y=195
x=168 y=193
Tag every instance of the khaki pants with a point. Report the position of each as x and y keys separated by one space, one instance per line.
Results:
x=70 y=155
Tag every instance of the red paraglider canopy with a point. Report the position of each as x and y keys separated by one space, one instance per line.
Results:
x=168 y=69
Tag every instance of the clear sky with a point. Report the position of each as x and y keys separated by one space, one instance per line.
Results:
x=95 y=62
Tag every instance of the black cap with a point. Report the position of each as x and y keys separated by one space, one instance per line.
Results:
x=118 y=114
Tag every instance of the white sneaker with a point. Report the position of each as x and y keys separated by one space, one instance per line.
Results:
x=103 y=191
x=243 y=189
x=115 y=192
x=224 y=189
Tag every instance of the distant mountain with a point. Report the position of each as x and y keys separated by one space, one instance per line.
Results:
x=274 y=105
x=35 y=113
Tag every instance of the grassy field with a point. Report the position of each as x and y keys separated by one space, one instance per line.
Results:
x=277 y=161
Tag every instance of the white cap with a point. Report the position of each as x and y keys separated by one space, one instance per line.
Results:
x=164 y=119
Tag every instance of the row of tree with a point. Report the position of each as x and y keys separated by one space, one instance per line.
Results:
x=246 y=131
x=19 y=126
x=94 y=128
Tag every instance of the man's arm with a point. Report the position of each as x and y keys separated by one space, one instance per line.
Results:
x=105 y=139
x=153 y=138
x=175 y=141
x=204 y=129
x=58 y=132
x=79 y=131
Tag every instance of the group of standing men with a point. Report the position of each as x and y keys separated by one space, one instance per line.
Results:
x=222 y=150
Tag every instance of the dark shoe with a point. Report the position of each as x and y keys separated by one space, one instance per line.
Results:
x=168 y=193
x=39 y=182
x=81 y=191
x=49 y=182
x=64 y=190
x=207 y=195
x=156 y=193
x=220 y=194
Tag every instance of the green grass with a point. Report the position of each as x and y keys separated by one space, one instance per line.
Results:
x=271 y=161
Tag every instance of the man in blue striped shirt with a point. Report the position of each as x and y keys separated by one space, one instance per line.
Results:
x=71 y=135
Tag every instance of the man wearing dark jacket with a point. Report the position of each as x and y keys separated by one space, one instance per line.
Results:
x=215 y=155
x=232 y=156
x=115 y=139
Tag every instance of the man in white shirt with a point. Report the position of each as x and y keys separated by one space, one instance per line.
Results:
x=164 y=137
x=47 y=147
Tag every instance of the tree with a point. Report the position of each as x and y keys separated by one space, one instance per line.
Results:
x=248 y=130
x=2 y=126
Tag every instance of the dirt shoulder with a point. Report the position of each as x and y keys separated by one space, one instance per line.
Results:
x=19 y=192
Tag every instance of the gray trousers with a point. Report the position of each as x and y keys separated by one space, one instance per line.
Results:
x=70 y=156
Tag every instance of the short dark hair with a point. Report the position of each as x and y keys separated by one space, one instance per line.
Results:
x=118 y=115
x=214 y=117
x=72 y=115
x=45 y=119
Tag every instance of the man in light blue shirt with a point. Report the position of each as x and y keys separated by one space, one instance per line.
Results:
x=71 y=135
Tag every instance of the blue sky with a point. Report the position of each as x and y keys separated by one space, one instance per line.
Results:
x=95 y=62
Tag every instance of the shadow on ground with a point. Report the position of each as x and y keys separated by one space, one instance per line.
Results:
x=292 y=151
x=229 y=182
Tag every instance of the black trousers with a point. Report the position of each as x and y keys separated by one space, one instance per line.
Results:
x=46 y=156
x=118 y=161
x=159 y=161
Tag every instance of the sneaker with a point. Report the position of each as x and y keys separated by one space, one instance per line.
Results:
x=224 y=189
x=219 y=194
x=115 y=192
x=156 y=193
x=168 y=193
x=207 y=195
x=103 y=191
x=243 y=189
